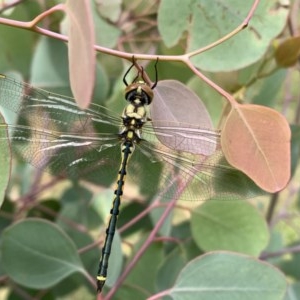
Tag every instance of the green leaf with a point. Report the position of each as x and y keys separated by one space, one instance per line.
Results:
x=229 y=225
x=106 y=34
x=247 y=46
x=208 y=21
x=79 y=213
x=265 y=91
x=131 y=292
x=5 y=160
x=172 y=25
x=101 y=86
x=290 y=267
x=42 y=211
x=170 y=268
x=49 y=67
x=145 y=272
x=30 y=293
x=293 y=291
x=7 y=209
x=17 y=44
x=72 y=288
x=110 y=9
x=38 y=254
x=222 y=275
x=115 y=261
x=212 y=100
x=155 y=215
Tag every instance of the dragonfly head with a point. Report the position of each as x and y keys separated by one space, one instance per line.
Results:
x=139 y=91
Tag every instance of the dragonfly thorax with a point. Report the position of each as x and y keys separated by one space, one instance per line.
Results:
x=135 y=112
x=134 y=117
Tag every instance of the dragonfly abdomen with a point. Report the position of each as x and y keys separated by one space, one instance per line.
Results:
x=127 y=149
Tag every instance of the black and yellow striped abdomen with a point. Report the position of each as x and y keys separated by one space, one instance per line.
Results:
x=127 y=149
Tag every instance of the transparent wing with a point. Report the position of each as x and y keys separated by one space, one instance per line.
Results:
x=53 y=133
x=189 y=127
x=188 y=176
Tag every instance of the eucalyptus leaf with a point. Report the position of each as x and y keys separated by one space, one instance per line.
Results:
x=230 y=225
x=37 y=254
x=209 y=21
x=222 y=276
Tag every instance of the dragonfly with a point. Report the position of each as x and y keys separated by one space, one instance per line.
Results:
x=175 y=160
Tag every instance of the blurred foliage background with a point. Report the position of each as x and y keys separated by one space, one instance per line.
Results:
x=260 y=65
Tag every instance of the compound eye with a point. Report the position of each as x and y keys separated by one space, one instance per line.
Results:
x=130 y=96
x=133 y=95
x=146 y=99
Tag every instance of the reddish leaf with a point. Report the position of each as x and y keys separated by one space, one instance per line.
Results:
x=256 y=140
x=82 y=56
